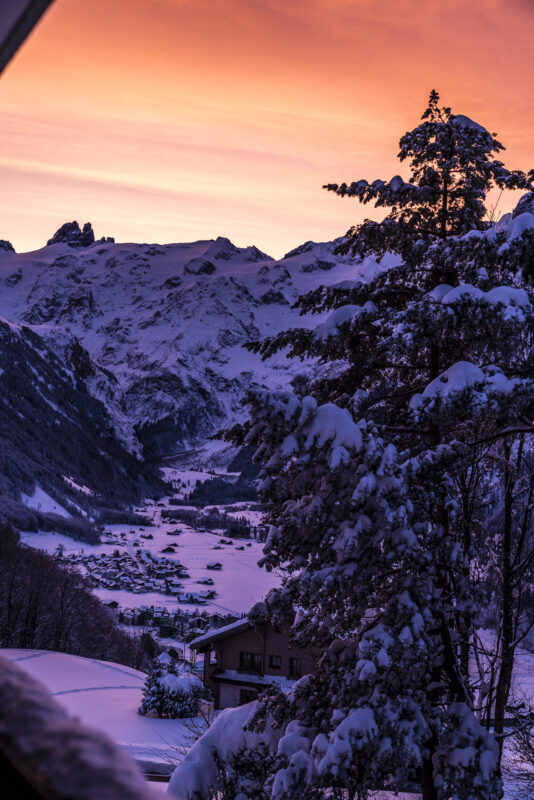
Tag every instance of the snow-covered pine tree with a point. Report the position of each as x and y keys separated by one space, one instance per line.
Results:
x=182 y=695
x=362 y=573
x=452 y=168
x=168 y=694
x=154 y=695
x=489 y=267
x=436 y=350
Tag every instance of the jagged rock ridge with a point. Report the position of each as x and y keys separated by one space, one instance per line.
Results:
x=71 y=234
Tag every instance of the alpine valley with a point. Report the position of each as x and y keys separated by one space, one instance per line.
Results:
x=142 y=341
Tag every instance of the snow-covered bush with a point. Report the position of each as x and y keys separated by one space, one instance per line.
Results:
x=208 y=770
x=168 y=694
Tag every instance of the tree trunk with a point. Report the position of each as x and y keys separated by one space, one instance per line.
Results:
x=428 y=788
x=507 y=623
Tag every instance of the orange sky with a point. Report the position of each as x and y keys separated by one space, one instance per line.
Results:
x=172 y=120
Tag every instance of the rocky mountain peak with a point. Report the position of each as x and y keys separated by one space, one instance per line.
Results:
x=6 y=246
x=165 y=325
x=70 y=233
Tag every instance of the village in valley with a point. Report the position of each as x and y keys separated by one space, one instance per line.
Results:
x=169 y=578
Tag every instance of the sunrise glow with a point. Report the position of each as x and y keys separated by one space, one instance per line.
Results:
x=173 y=120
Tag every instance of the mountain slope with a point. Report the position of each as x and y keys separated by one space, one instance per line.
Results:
x=168 y=323
x=56 y=439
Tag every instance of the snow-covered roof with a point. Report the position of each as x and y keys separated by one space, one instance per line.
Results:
x=234 y=676
x=217 y=634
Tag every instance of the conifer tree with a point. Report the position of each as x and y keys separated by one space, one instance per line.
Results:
x=364 y=575
x=168 y=694
x=383 y=526
x=437 y=351
x=154 y=695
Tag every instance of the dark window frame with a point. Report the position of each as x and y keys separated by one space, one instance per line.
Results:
x=250 y=662
x=295 y=668
x=274 y=658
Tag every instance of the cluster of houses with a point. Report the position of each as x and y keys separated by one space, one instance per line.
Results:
x=178 y=624
x=144 y=572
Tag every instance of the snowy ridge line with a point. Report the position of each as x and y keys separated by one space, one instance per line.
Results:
x=105 y=664
x=34 y=655
x=136 y=310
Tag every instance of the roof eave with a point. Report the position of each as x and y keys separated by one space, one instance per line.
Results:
x=203 y=643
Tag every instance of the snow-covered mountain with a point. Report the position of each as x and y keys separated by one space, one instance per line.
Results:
x=165 y=326
x=56 y=437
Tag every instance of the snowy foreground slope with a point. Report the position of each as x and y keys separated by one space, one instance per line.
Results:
x=104 y=696
x=165 y=325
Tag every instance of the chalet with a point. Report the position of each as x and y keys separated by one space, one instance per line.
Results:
x=218 y=620
x=241 y=659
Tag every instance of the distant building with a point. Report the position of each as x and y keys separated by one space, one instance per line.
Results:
x=241 y=659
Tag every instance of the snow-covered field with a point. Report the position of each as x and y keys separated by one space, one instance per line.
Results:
x=41 y=501
x=239 y=584
x=104 y=696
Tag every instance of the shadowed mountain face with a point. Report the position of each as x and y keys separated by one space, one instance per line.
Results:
x=166 y=325
x=54 y=434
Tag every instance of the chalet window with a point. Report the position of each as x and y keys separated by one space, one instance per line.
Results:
x=295 y=667
x=275 y=662
x=250 y=662
x=247 y=696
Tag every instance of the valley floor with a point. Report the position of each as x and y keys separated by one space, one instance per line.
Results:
x=238 y=584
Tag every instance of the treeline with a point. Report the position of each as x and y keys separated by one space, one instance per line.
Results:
x=218 y=491
x=30 y=519
x=238 y=527
x=120 y=516
x=46 y=607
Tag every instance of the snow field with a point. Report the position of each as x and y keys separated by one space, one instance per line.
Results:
x=239 y=584
x=104 y=696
